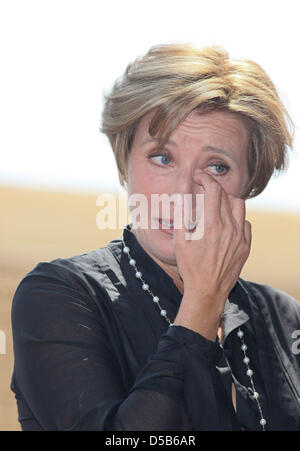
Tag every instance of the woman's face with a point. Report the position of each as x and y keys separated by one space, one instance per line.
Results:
x=215 y=143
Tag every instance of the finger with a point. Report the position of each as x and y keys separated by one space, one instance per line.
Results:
x=226 y=209
x=180 y=212
x=238 y=208
x=212 y=196
x=248 y=233
x=198 y=218
x=217 y=202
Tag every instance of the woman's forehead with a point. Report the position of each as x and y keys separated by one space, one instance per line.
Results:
x=195 y=123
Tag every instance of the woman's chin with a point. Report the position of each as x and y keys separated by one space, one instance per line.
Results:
x=163 y=248
x=158 y=243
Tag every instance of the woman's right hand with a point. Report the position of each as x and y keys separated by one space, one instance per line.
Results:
x=210 y=266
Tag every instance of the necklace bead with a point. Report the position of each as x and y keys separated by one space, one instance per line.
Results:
x=164 y=314
x=255 y=395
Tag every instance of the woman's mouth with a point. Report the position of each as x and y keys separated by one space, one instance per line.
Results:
x=168 y=226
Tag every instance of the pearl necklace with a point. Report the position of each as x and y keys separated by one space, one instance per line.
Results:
x=164 y=315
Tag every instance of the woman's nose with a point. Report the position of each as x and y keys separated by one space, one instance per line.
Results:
x=186 y=182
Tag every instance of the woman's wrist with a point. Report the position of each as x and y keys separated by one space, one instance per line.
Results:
x=200 y=314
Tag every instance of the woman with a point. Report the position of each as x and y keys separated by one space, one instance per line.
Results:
x=156 y=331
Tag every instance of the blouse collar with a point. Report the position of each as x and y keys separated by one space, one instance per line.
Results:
x=159 y=281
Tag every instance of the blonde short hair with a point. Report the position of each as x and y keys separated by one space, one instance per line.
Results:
x=173 y=80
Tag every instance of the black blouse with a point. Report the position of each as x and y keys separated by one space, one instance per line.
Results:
x=92 y=351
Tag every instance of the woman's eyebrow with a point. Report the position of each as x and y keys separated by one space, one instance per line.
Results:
x=218 y=150
x=172 y=143
x=206 y=149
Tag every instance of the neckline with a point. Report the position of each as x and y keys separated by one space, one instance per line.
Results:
x=160 y=282
x=233 y=317
x=163 y=285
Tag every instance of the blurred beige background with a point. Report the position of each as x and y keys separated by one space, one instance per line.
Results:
x=40 y=226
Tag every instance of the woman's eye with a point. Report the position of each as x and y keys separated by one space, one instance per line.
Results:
x=219 y=169
x=161 y=160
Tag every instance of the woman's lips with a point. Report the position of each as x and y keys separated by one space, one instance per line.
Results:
x=168 y=226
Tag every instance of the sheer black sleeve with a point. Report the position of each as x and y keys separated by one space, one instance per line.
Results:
x=67 y=373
